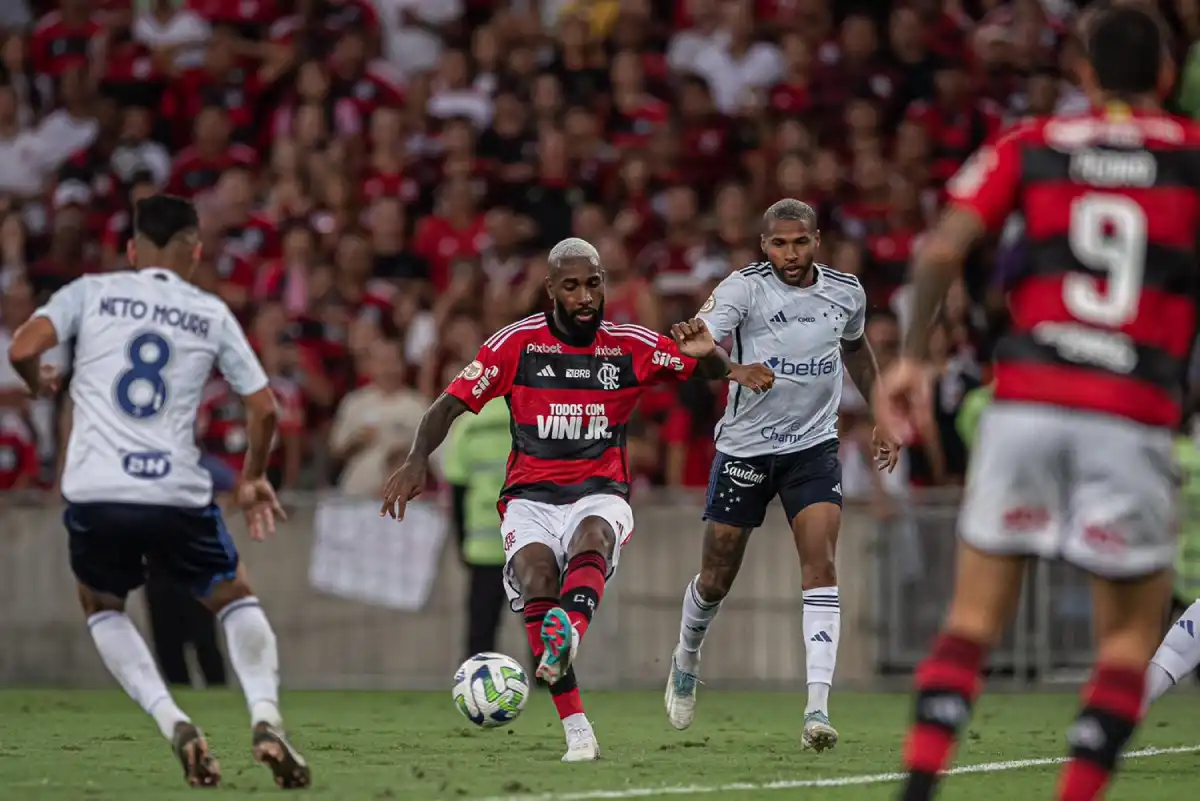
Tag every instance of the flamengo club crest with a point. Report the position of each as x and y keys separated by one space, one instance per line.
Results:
x=609 y=376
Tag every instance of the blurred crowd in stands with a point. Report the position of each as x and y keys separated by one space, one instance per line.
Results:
x=379 y=182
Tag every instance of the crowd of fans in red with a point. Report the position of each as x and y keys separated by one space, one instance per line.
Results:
x=392 y=172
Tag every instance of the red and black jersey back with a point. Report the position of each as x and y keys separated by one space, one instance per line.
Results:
x=570 y=406
x=1104 y=317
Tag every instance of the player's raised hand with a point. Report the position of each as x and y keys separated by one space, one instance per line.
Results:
x=886 y=449
x=405 y=484
x=694 y=338
x=902 y=399
x=260 y=506
x=757 y=378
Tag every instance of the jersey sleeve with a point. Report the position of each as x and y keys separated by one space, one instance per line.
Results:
x=489 y=376
x=65 y=309
x=663 y=362
x=857 y=323
x=236 y=359
x=987 y=183
x=727 y=306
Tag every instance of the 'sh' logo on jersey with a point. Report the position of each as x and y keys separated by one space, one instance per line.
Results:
x=609 y=376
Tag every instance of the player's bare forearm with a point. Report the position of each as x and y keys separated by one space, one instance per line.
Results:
x=937 y=265
x=29 y=369
x=262 y=420
x=860 y=364
x=35 y=336
x=435 y=425
x=713 y=366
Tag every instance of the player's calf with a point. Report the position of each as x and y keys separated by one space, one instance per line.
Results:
x=1177 y=656
x=589 y=557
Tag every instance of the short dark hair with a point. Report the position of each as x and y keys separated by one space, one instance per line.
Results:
x=791 y=209
x=161 y=218
x=1126 y=45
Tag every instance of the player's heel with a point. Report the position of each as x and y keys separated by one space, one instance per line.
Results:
x=200 y=769
x=557 y=635
x=272 y=749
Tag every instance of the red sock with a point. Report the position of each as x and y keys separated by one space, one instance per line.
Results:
x=583 y=587
x=535 y=610
x=947 y=684
x=1112 y=706
x=565 y=693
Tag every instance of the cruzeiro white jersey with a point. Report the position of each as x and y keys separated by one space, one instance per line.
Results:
x=145 y=345
x=796 y=331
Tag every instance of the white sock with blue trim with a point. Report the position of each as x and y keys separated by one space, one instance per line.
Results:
x=1178 y=655
x=822 y=624
x=697 y=615
x=128 y=658
x=255 y=658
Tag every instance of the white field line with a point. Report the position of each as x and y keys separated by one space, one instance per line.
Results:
x=799 y=784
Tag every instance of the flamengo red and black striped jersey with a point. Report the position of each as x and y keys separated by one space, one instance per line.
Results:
x=570 y=405
x=1104 y=315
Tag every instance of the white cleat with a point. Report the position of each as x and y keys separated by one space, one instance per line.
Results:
x=581 y=742
x=818 y=734
x=680 y=697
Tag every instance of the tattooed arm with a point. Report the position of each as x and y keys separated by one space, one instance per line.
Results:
x=409 y=481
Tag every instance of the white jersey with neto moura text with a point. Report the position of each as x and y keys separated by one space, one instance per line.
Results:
x=797 y=332
x=145 y=346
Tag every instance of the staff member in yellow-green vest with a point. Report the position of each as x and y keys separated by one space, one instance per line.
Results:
x=476 y=456
x=1179 y=653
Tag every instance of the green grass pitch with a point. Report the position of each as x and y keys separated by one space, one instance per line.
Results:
x=97 y=746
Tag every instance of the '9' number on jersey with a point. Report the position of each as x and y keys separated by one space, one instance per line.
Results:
x=141 y=391
x=1107 y=233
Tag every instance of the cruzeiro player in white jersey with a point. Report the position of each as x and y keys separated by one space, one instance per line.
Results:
x=802 y=320
x=145 y=343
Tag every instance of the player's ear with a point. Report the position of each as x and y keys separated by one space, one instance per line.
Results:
x=817 y=238
x=549 y=288
x=131 y=251
x=762 y=243
x=1166 y=78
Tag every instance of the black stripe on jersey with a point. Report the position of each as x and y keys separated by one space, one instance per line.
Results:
x=756 y=272
x=527 y=441
x=560 y=495
x=1172 y=168
x=575 y=371
x=841 y=278
x=737 y=358
x=1153 y=365
x=1166 y=269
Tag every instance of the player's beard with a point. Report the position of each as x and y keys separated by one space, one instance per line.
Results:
x=802 y=278
x=576 y=329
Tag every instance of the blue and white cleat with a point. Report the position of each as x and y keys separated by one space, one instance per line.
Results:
x=681 y=694
x=818 y=734
x=561 y=642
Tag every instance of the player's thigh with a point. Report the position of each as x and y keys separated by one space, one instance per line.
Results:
x=195 y=550
x=1127 y=618
x=534 y=549
x=739 y=491
x=106 y=553
x=1016 y=495
x=810 y=487
x=1123 y=503
x=601 y=523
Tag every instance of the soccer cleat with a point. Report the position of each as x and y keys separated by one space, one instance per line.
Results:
x=200 y=769
x=818 y=734
x=581 y=742
x=561 y=641
x=272 y=749
x=681 y=694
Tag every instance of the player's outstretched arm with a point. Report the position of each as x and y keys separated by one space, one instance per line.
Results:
x=408 y=482
x=712 y=362
x=254 y=493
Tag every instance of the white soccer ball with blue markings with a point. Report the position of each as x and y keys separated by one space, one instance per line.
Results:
x=490 y=689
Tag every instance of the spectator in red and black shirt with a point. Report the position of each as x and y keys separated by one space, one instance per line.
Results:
x=198 y=167
x=65 y=39
x=955 y=121
x=225 y=81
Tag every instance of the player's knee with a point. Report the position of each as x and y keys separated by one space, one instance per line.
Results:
x=976 y=624
x=536 y=569
x=593 y=534
x=223 y=593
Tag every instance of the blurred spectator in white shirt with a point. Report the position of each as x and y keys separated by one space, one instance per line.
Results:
x=375 y=424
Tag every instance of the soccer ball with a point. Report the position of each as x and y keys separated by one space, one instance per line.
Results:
x=490 y=689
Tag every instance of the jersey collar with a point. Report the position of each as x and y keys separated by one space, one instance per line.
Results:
x=161 y=273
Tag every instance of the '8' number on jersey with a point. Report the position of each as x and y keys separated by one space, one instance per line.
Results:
x=141 y=391
x=1108 y=234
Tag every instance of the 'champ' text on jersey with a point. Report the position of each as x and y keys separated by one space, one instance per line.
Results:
x=797 y=332
x=145 y=346
x=570 y=405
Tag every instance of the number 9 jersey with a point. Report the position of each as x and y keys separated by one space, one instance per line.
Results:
x=145 y=344
x=1104 y=316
